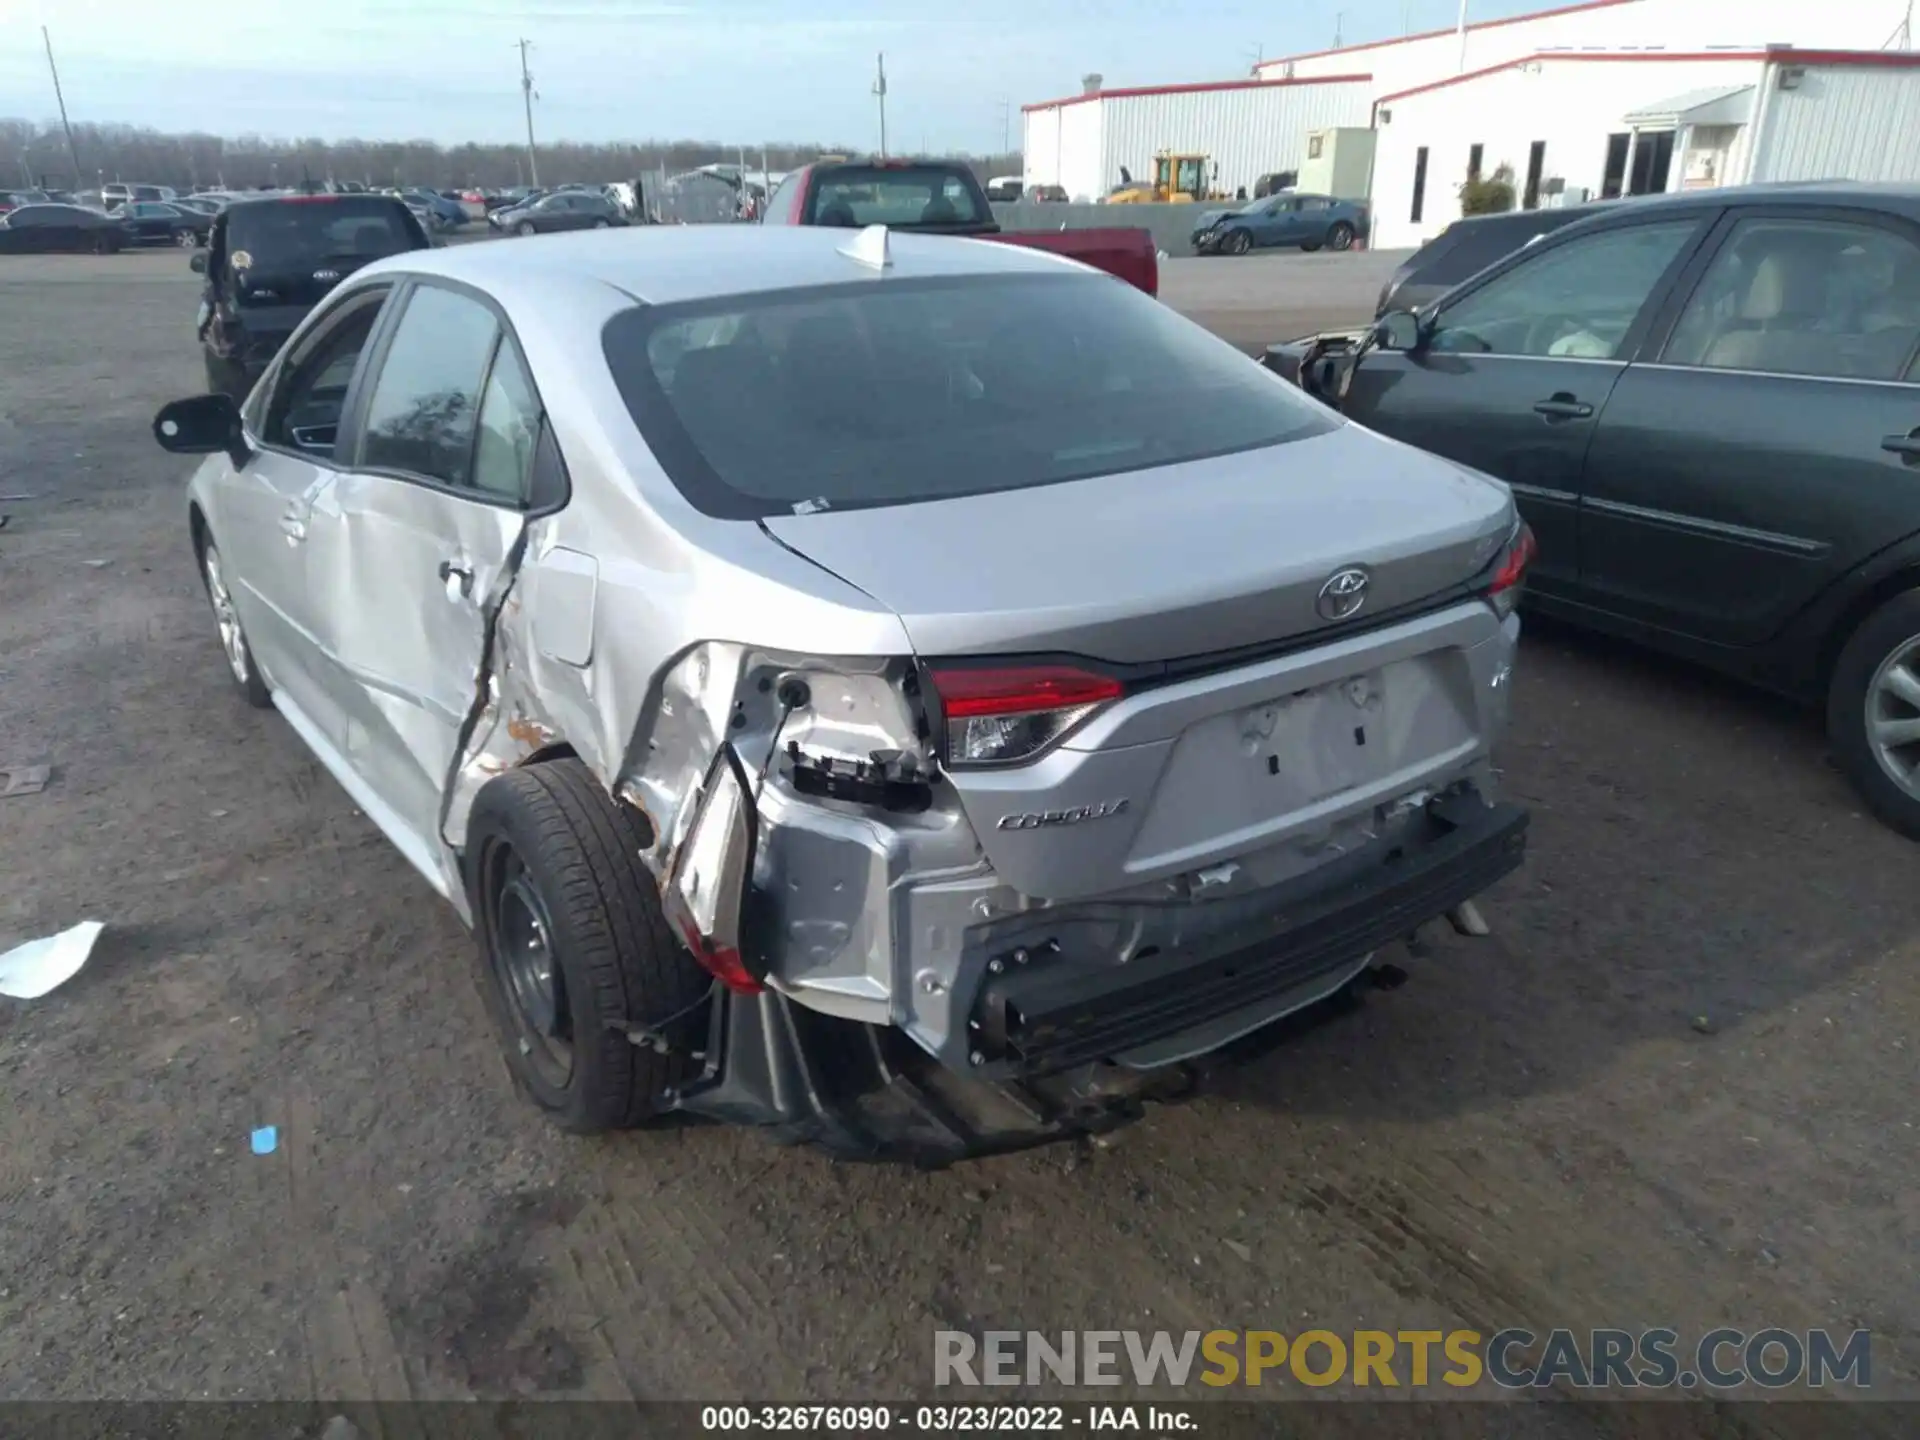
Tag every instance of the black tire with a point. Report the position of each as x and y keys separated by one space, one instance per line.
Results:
x=525 y=227
x=1307 y=247
x=185 y=239
x=233 y=644
x=1339 y=236
x=1854 y=700
x=1236 y=242
x=103 y=245
x=551 y=834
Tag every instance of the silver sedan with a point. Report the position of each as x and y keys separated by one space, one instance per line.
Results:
x=825 y=668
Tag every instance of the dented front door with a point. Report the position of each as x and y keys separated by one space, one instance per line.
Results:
x=409 y=573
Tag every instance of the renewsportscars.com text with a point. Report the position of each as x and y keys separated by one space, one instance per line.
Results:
x=1512 y=1359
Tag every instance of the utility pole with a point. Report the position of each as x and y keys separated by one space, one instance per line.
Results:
x=880 y=91
x=73 y=151
x=1338 y=17
x=526 y=96
x=1463 y=36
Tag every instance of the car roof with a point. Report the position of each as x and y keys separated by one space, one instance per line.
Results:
x=663 y=264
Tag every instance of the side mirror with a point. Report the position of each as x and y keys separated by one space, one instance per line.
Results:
x=706 y=891
x=201 y=425
x=1400 y=330
x=198 y=264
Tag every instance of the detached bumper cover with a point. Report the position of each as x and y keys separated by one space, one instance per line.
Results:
x=1042 y=1017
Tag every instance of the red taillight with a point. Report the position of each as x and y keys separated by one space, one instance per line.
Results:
x=1504 y=591
x=996 y=716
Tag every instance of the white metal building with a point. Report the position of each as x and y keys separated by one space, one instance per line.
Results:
x=1248 y=127
x=1578 y=126
x=1403 y=62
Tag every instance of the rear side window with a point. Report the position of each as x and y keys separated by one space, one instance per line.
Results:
x=908 y=195
x=863 y=395
x=421 y=417
x=301 y=234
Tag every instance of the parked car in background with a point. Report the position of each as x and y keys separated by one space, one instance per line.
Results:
x=41 y=229
x=198 y=204
x=13 y=199
x=942 y=197
x=562 y=210
x=1708 y=407
x=1087 y=814
x=117 y=194
x=448 y=213
x=154 y=222
x=1308 y=221
x=1048 y=194
x=270 y=261
x=1004 y=189
x=1468 y=246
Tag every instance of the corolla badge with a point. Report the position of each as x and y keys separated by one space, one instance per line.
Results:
x=1343 y=594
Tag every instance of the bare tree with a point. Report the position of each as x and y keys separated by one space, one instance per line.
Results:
x=130 y=153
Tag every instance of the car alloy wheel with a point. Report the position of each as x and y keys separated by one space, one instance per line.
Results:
x=226 y=618
x=1237 y=243
x=525 y=227
x=1893 y=715
x=600 y=224
x=185 y=239
x=1340 y=236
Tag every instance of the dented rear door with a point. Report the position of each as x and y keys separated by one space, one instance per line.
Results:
x=415 y=546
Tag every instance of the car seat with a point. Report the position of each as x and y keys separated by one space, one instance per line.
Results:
x=1784 y=302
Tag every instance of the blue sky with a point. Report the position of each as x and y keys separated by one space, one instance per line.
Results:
x=734 y=70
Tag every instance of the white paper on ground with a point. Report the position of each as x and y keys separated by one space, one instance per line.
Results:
x=31 y=970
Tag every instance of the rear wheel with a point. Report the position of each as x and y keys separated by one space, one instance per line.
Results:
x=574 y=948
x=1339 y=236
x=185 y=239
x=233 y=639
x=1237 y=242
x=103 y=244
x=1873 y=712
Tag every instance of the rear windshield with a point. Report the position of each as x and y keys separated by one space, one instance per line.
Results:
x=851 y=396
x=300 y=234
x=856 y=195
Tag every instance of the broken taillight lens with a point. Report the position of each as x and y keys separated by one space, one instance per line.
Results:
x=1510 y=575
x=1000 y=716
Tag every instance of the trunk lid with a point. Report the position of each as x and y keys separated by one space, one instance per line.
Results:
x=1184 y=560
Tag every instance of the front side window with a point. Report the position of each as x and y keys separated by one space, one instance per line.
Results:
x=1829 y=298
x=863 y=395
x=421 y=416
x=304 y=411
x=1575 y=301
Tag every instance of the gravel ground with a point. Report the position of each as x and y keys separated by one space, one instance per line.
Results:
x=1674 y=1087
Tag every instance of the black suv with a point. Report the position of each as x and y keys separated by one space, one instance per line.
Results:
x=270 y=261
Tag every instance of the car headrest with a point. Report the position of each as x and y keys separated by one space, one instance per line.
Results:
x=1790 y=280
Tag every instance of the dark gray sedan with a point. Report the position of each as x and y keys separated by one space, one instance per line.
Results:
x=568 y=210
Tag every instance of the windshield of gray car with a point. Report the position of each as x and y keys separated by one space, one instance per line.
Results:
x=894 y=392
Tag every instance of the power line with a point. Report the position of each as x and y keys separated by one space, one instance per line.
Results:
x=526 y=95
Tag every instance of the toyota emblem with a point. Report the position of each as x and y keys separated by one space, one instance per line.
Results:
x=1343 y=594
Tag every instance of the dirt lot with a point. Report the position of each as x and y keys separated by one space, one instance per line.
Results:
x=1675 y=1087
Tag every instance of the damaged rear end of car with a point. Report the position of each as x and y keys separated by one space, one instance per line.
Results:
x=1162 y=752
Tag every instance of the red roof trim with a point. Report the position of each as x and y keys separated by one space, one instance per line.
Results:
x=1605 y=56
x=1886 y=59
x=1208 y=85
x=1450 y=30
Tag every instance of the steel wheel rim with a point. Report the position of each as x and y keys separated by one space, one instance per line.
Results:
x=226 y=618
x=1893 y=715
x=529 y=974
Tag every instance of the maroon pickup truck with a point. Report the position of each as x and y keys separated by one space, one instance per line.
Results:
x=939 y=198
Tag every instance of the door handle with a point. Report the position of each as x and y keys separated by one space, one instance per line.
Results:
x=1562 y=407
x=457 y=578
x=1906 y=446
x=294 y=526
